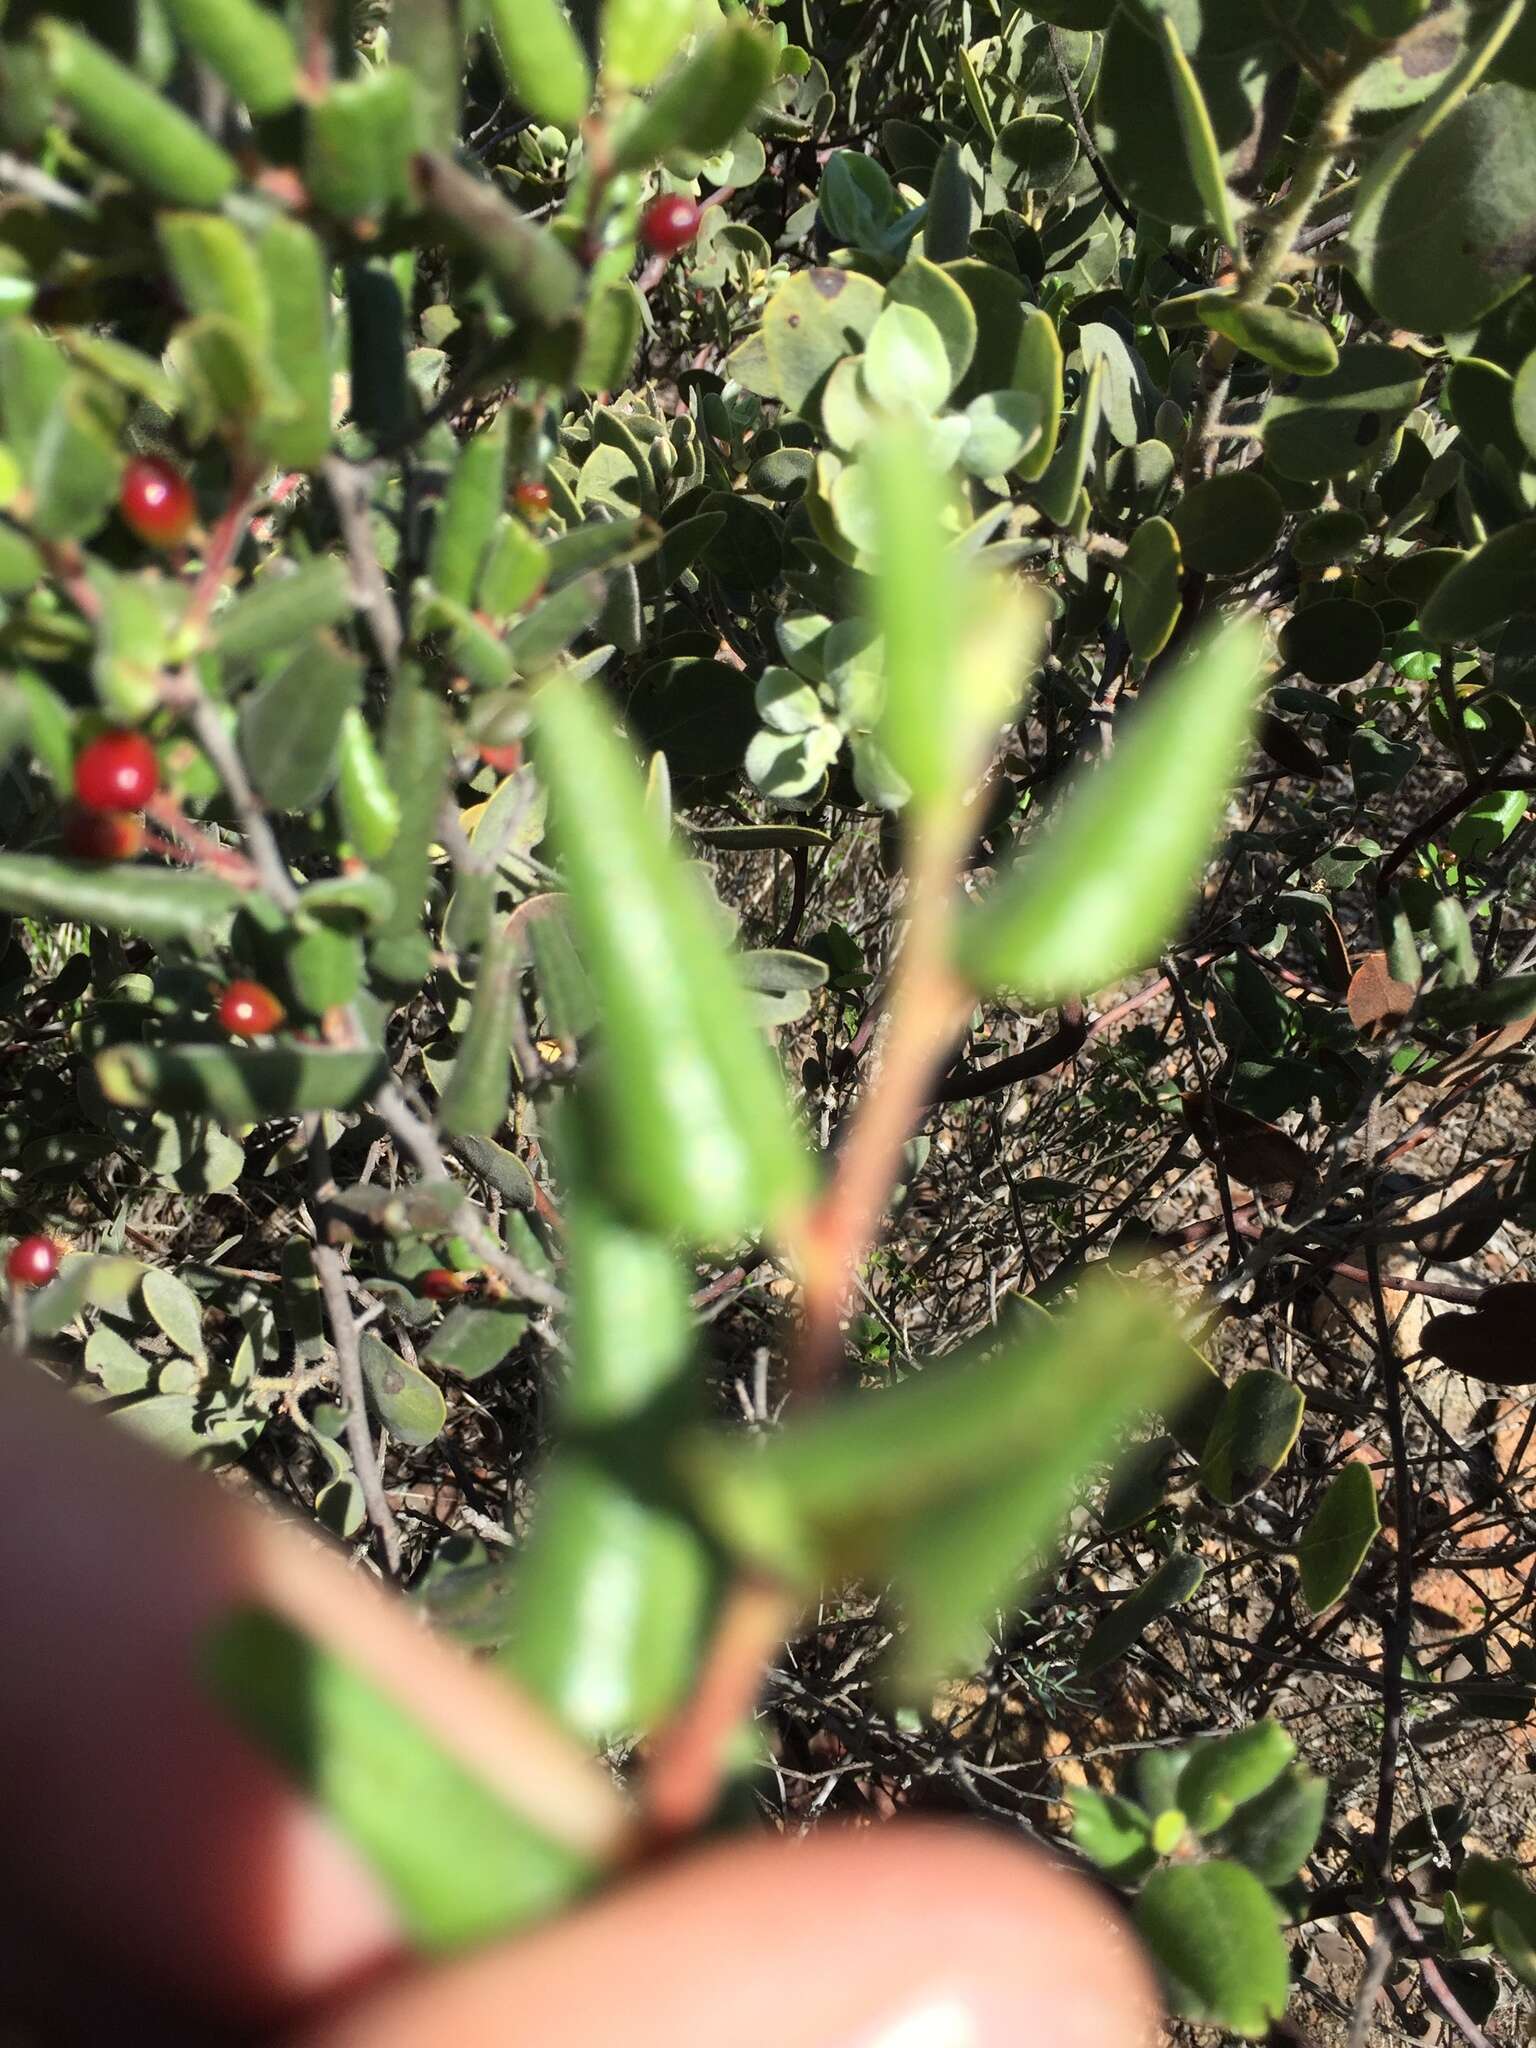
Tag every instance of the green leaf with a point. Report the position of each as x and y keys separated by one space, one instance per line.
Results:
x=698 y=1136
x=1485 y=588
x=358 y=142
x=153 y=903
x=1285 y=340
x=1437 y=227
x=932 y=292
x=700 y=107
x=1215 y=1934
x=246 y=44
x=237 y=1084
x=947 y=228
x=410 y=1406
x=1252 y=1436
x=175 y=1308
x=477 y=1870
x=278 y=610
x=297 y=274
x=1202 y=152
x=1224 y=1773
x=1176 y=1580
x=476 y=1098
x=1274 y=1834
x=905 y=362
x=370 y=812
x=1229 y=523
x=1114 y=1833
x=1150 y=587
x=131 y=125
x=416 y=759
x=641 y=37
x=290 y=725
x=1061 y=487
x=476 y=498
x=1038 y=375
x=953 y=1482
x=1336 y=1540
x=76 y=463
x=1328 y=426
x=542 y=60
x=1113 y=871
x=644 y=1581
x=811 y=322
x=474 y=1341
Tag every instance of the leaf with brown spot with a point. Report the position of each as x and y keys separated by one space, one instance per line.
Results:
x=1376 y=997
x=1495 y=1342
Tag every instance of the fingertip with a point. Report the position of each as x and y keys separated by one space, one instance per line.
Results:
x=921 y=1935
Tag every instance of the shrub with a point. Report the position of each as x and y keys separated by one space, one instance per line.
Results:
x=504 y=530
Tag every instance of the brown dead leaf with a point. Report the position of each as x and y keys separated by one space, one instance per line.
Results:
x=1496 y=1341
x=1376 y=997
x=1258 y=1154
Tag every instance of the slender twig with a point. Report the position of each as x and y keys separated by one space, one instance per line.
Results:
x=349 y=1367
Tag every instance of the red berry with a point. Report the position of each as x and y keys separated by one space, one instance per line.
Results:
x=532 y=499
x=103 y=835
x=249 y=1010
x=505 y=760
x=117 y=772
x=670 y=223
x=441 y=1283
x=156 y=500
x=32 y=1262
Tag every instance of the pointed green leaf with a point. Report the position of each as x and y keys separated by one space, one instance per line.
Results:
x=1274 y=334
x=279 y=609
x=475 y=1101
x=1202 y=152
x=475 y=499
x=1114 y=869
x=410 y=1406
x=154 y=903
x=1176 y=1580
x=1060 y=488
x=1252 y=1436
x=698 y=1132
x=1335 y=1542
